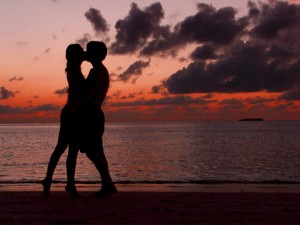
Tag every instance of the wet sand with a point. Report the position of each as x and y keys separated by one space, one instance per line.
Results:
x=214 y=204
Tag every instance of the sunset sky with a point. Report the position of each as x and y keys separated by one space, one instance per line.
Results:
x=169 y=60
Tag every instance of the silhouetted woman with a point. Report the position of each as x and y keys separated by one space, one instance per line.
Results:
x=93 y=120
x=68 y=120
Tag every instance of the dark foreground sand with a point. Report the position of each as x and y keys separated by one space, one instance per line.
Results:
x=142 y=207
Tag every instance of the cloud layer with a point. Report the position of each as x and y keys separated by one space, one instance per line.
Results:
x=256 y=52
x=262 y=56
x=223 y=53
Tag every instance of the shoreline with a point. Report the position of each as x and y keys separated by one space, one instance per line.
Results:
x=169 y=187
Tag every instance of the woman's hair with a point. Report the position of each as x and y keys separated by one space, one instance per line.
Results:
x=74 y=56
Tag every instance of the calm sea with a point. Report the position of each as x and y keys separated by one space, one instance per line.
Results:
x=204 y=152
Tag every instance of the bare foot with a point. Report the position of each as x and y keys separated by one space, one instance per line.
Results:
x=46 y=186
x=71 y=189
x=105 y=192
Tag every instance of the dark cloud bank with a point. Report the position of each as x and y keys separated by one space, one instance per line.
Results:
x=6 y=109
x=98 y=22
x=6 y=94
x=256 y=52
x=134 y=71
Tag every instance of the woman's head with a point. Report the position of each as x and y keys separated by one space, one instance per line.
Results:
x=74 y=53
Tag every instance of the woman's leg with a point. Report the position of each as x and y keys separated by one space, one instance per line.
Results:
x=61 y=146
x=71 y=167
x=58 y=151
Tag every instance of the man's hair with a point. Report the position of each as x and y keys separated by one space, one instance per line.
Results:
x=97 y=49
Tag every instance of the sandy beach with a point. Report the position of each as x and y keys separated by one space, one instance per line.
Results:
x=214 y=204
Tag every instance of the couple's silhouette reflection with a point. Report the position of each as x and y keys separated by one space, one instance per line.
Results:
x=82 y=119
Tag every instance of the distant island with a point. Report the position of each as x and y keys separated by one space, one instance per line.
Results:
x=252 y=119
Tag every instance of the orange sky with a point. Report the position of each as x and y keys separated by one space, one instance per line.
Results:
x=172 y=81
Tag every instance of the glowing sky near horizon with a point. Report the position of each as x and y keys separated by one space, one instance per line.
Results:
x=186 y=61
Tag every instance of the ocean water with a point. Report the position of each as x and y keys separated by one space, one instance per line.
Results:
x=204 y=152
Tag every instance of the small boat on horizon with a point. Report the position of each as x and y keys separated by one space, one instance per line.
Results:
x=252 y=119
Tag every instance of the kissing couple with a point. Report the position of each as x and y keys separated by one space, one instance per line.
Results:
x=82 y=119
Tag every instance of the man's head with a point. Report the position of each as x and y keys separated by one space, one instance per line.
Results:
x=96 y=51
